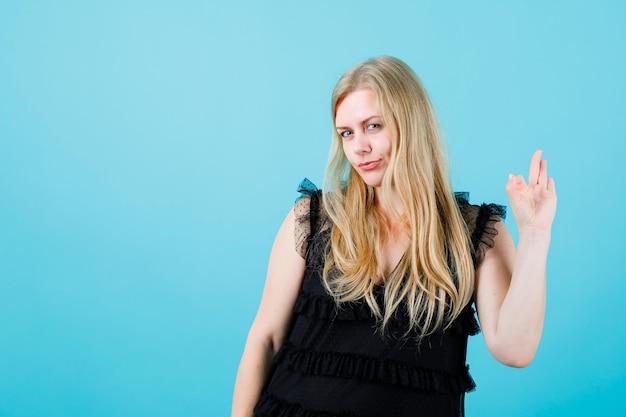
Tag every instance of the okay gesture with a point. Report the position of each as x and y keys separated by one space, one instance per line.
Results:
x=533 y=204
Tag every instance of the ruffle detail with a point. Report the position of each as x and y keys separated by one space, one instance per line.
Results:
x=481 y=221
x=386 y=371
x=305 y=212
x=467 y=323
x=271 y=406
x=309 y=217
x=323 y=307
x=485 y=231
x=462 y=196
x=306 y=188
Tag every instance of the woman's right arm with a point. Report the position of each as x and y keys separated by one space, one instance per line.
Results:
x=284 y=277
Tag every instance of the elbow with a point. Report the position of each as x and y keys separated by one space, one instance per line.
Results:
x=515 y=356
x=519 y=361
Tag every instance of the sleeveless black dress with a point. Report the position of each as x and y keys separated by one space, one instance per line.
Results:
x=336 y=362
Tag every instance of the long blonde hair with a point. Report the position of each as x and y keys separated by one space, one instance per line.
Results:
x=434 y=280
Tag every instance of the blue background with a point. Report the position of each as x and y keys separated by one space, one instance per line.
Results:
x=150 y=149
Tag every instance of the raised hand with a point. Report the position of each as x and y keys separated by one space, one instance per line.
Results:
x=533 y=204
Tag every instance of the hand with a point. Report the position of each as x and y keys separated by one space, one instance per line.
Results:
x=533 y=204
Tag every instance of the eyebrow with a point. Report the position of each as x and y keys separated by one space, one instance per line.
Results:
x=362 y=122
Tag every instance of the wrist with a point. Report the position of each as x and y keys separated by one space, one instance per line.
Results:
x=535 y=233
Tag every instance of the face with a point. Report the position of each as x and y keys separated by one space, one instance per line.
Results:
x=366 y=140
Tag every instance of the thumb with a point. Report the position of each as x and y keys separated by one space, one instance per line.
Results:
x=515 y=183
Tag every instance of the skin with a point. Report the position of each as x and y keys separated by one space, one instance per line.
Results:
x=366 y=142
x=510 y=290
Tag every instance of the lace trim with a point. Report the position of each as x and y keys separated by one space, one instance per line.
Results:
x=387 y=371
x=272 y=406
x=306 y=188
x=481 y=221
x=485 y=232
x=302 y=211
x=308 y=215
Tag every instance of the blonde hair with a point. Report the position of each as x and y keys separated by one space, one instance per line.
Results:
x=434 y=280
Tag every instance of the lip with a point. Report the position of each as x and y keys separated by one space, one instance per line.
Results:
x=369 y=165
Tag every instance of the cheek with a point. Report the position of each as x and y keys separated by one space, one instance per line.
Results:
x=388 y=145
x=347 y=154
x=346 y=149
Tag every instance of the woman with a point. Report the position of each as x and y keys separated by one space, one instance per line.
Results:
x=369 y=315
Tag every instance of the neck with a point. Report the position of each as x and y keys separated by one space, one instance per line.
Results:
x=390 y=207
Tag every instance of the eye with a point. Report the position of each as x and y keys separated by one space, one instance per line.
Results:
x=374 y=126
x=345 y=133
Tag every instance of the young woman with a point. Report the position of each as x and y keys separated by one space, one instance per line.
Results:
x=368 y=312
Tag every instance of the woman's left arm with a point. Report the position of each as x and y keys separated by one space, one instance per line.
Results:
x=510 y=284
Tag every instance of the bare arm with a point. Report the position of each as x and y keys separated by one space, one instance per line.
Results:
x=510 y=284
x=284 y=277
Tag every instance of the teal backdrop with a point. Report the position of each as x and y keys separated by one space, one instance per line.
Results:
x=150 y=149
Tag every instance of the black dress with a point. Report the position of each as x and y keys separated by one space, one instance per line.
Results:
x=336 y=362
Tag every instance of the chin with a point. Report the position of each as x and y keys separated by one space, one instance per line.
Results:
x=373 y=184
x=371 y=179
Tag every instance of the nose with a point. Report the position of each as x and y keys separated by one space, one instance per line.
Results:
x=362 y=143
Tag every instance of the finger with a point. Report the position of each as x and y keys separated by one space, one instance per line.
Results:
x=543 y=173
x=533 y=173
x=551 y=187
x=515 y=183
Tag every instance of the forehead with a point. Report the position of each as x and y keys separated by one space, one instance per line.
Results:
x=356 y=107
